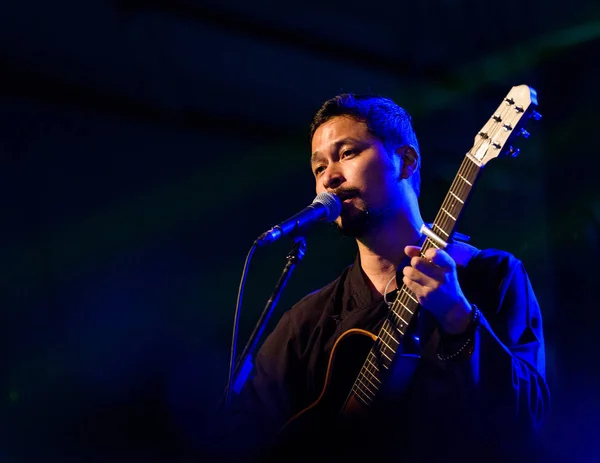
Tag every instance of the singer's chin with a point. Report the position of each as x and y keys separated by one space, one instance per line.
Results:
x=353 y=224
x=358 y=223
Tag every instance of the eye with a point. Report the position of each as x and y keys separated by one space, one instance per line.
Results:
x=319 y=169
x=347 y=152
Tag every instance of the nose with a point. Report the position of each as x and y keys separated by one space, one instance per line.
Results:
x=332 y=177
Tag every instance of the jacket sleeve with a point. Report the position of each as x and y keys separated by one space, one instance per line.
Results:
x=508 y=363
x=496 y=391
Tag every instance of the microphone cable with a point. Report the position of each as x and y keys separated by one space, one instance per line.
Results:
x=236 y=319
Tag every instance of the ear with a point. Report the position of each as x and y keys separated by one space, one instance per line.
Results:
x=409 y=160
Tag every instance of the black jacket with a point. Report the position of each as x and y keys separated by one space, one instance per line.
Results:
x=487 y=400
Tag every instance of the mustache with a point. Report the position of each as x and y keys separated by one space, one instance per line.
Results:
x=346 y=193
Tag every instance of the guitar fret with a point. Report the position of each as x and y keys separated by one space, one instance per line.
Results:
x=359 y=390
x=372 y=383
x=374 y=366
x=399 y=328
x=375 y=378
x=409 y=295
x=442 y=230
x=459 y=200
x=376 y=360
x=368 y=389
x=385 y=355
x=465 y=180
x=448 y=214
x=366 y=402
x=390 y=336
x=387 y=345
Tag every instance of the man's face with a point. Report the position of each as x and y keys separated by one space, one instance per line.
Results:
x=349 y=161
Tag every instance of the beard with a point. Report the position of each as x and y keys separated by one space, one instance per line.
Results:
x=358 y=220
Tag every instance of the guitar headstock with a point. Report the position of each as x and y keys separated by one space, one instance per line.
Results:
x=505 y=124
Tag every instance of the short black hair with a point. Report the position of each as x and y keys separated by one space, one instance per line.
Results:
x=384 y=119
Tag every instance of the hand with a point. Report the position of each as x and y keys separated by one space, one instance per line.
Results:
x=434 y=281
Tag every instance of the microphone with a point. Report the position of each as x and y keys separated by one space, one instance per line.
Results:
x=326 y=206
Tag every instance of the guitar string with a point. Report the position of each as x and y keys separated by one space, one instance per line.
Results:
x=385 y=336
x=428 y=244
x=471 y=170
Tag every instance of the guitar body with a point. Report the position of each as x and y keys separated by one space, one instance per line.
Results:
x=338 y=410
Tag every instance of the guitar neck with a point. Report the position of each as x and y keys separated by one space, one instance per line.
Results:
x=406 y=305
x=454 y=203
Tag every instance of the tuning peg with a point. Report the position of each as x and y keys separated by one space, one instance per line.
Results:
x=537 y=116
x=513 y=152
x=524 y=133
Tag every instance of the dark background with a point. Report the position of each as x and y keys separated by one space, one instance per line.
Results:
x=145 y=145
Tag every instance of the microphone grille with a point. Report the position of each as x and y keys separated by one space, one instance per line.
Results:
x=332 y=203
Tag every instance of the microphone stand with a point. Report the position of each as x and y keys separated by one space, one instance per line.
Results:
x=243 y=365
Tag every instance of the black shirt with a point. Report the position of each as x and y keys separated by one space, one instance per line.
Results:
x=488 y=398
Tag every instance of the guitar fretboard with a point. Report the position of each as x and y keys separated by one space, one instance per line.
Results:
x=406 y=306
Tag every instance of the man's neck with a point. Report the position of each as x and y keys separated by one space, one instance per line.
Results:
x=383 y=250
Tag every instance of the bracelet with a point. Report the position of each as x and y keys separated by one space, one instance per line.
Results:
x=473 y=324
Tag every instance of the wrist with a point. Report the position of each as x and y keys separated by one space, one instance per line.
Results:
x=458 y=319
x=466 y=330
x=453 y=346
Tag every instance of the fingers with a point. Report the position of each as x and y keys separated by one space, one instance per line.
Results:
x=440 y=258
x=434 y=258
x=412 y=251
x=433 y=280
x=414 y=277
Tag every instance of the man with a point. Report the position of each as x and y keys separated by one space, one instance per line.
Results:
x=479 y=387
